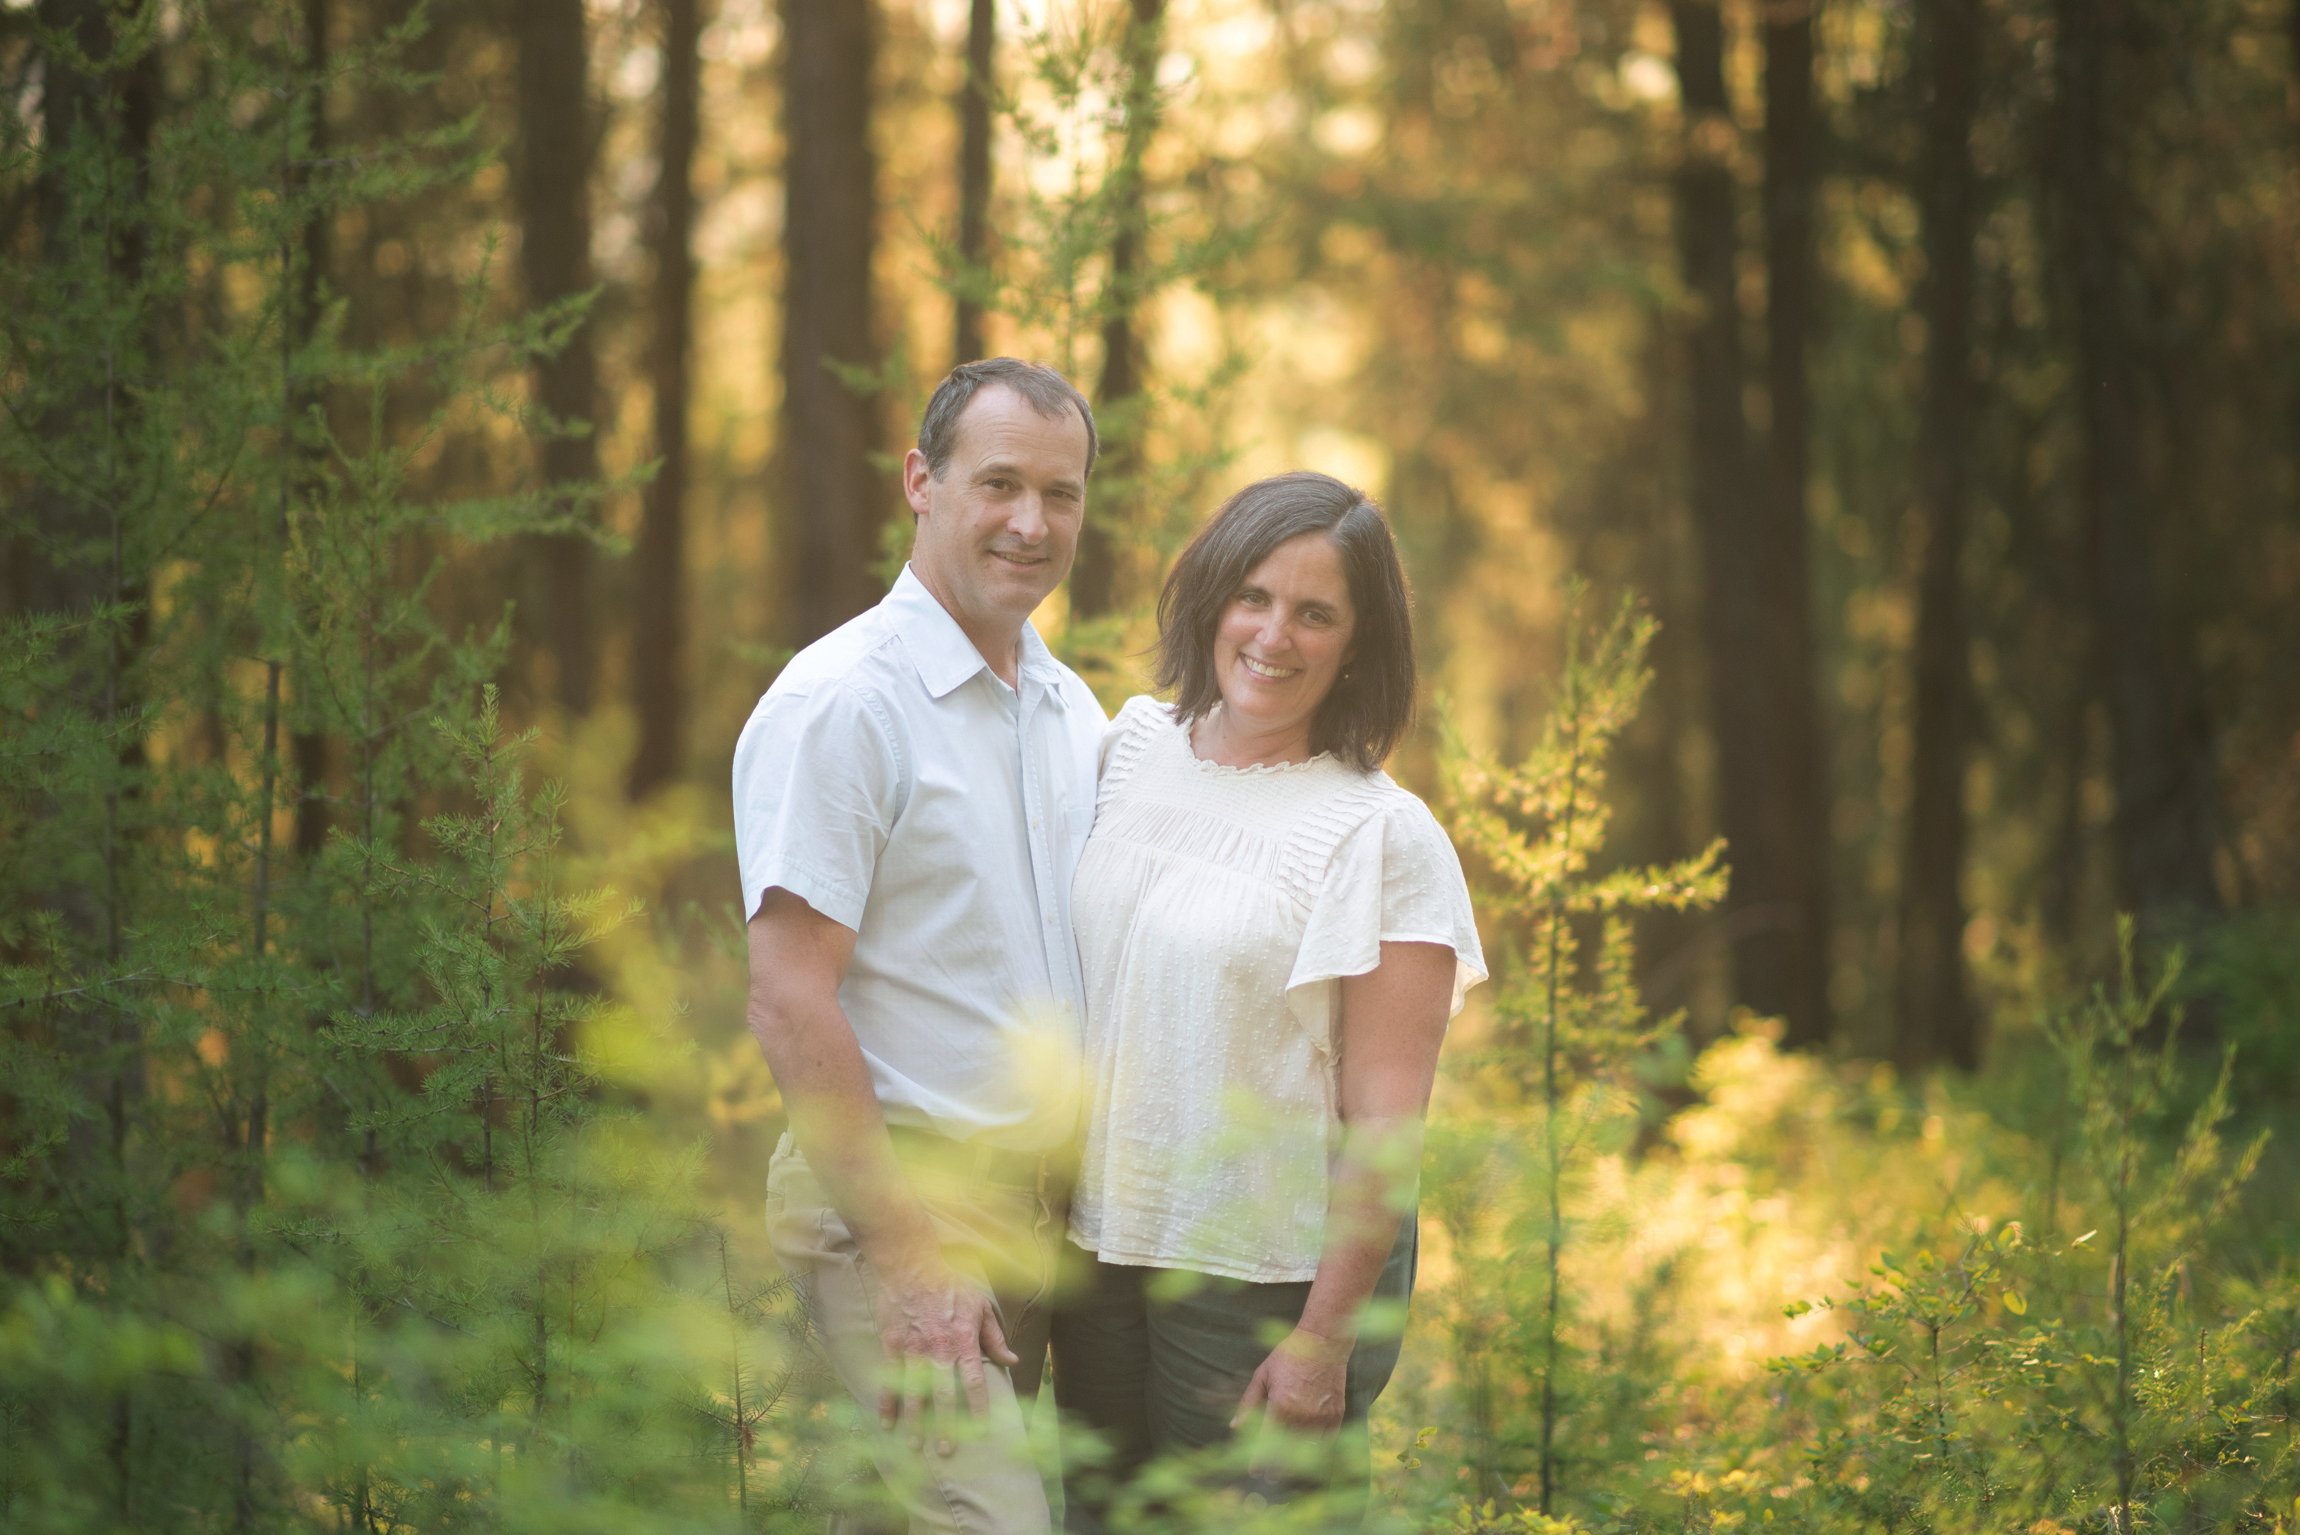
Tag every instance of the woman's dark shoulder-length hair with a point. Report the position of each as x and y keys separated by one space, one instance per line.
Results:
x=1372 y=702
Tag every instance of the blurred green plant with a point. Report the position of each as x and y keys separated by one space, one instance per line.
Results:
x=313 y=1204
x=1568 y=1032
x=2148 y=1395
x=1599 y=1279
x=2246 y=972
x=1987 y=1371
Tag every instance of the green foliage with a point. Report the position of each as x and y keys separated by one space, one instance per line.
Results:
x=1568 y=1033
x=1089 y=242
x=315 y=1205
x=2054 y=1382
x=1538 y=827
x=2057 y=1323
x=2246 y=973
x=1643 y=1326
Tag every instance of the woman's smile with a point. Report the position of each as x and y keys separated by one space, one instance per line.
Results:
x=1280 y=647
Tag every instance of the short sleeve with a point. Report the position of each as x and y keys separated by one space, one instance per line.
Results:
x=1395 y=879
x=818 y=784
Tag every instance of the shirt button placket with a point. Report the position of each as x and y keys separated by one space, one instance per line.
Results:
x=1033 y=804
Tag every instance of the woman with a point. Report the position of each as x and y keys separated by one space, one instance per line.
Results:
x=1274 y=936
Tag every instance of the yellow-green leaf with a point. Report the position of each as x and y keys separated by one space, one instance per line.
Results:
x=2016 y=1303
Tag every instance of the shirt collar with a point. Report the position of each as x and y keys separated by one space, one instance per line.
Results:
x=1039 y=665
x=943 y=654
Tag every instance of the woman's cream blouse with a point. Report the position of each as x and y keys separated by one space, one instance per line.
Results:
x=1217 y=909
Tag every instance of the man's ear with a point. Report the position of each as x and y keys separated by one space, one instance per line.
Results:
x=917 y=483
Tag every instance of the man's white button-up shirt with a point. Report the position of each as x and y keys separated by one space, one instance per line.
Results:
x=895 y=784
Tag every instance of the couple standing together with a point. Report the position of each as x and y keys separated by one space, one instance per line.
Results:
x=1115 y=1033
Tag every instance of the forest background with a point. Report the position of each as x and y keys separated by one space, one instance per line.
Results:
x=428 y=429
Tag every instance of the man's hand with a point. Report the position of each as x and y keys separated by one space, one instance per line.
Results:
x=932 y=1322
x=1302 y=1385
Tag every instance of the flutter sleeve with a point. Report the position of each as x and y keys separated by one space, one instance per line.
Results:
x=1394 y=879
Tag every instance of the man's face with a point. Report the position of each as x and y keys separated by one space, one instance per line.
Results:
x=998 y=526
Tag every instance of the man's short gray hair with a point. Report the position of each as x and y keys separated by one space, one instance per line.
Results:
x=1047 y=391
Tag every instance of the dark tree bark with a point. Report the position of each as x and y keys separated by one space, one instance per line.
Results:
x=2292 y=83
x=552 y=172
x=659 y=602
x=1118 y=406
x=1934 y=1017
x=974 y=174
x=2160 y=755
x=2292 y=110
x=309 y=748
x=1753 y=589
x=832 y=495
x=1788 y=213
x=1798 y=782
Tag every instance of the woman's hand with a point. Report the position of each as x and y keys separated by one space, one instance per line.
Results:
x=1302 y=1384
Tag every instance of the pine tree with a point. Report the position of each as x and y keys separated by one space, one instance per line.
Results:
x=311 y=1197
x=1569 y=1030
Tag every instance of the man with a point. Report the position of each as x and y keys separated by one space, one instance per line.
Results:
x=910 y=799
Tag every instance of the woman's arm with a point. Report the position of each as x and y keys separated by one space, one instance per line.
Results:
x=1393 y=1020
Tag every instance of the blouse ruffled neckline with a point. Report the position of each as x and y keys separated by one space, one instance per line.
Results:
x=1249 y=770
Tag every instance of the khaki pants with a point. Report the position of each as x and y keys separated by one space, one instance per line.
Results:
x=1003 y=1237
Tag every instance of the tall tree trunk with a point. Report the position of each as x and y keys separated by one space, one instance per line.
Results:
x=1118 y=408
x=2292 y=110
x=974 y=98
x=1934 y=1015
x=1797 y=781
x=1751 y=569
x=832 y=495
x=2159 y=737
x=1788 y=214
x=658 y=609
x=309 y=748
x=552 y=184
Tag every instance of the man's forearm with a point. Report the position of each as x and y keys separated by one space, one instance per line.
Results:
x=836 y=1121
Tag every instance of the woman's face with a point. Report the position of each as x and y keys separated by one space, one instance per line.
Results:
x=1284 y=637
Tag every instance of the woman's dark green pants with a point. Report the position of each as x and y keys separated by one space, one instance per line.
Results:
x=1152 y=1363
